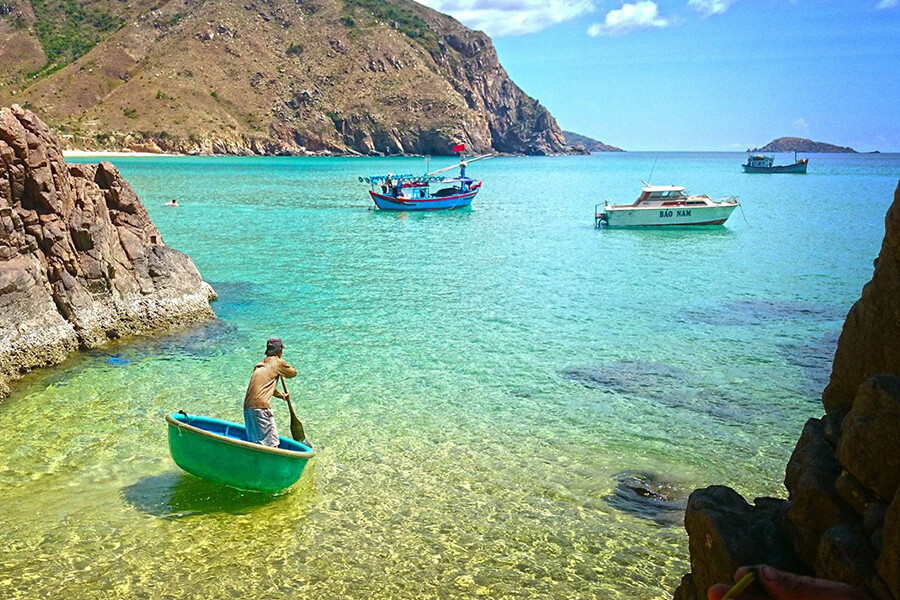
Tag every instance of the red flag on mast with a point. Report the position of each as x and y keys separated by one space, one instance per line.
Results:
x=457 y=148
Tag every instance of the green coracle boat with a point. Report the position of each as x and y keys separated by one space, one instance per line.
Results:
x=219 y=451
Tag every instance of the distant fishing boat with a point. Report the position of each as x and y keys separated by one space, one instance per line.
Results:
x=219 y=451
x=431 y=191
x=760 y=163
x=665 y=205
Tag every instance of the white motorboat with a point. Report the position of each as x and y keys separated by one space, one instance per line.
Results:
x=666 y=205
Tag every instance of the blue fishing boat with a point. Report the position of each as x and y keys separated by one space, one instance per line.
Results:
x=760 y=163
x=219 y=451
x=430 y=191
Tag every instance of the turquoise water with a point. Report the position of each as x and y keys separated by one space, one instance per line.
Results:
x=473 y=380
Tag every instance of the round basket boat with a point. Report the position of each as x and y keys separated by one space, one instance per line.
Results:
x=219 y=451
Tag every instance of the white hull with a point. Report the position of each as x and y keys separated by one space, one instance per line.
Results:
x=671 y=215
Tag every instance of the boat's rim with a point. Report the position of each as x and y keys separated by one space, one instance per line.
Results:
x=720 y=204
x=235 y=442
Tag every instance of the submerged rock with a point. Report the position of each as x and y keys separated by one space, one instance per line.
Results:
x=80 y=260
x=646 y=495
x=813 y=357
x=641 y=378
x=751 y=312
x=666 y=384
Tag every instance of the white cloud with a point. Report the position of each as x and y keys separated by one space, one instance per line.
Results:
x=623 y=20
x=887 y=4
x=511 y=17
x=717 y=7
x=801 y=127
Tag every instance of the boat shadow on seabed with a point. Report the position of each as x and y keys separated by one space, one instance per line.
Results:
x=175 y=495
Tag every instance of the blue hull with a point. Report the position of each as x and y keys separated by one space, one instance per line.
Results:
x=449 y=203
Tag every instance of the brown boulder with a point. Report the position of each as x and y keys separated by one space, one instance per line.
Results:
x=687 y=589
x=815 y=505
x=726 y=532
x=889 y=562
x=846 y=555
x=870 y=441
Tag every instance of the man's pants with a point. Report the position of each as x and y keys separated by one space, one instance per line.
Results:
x=260 y=423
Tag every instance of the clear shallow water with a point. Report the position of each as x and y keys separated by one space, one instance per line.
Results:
x=473 y=380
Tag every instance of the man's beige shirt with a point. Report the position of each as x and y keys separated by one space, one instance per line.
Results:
x=264 y=381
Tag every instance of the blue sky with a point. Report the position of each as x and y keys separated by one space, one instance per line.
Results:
x=721 y=75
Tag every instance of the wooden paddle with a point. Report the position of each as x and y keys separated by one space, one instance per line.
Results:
x=296 y=426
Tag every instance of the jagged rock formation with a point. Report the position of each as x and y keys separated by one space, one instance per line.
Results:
x=842 y=517
x=266 y=77
x=791 y=144
x=80 y=260
x=577 y=140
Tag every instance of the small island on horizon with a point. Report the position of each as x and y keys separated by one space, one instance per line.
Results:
x=791 y=144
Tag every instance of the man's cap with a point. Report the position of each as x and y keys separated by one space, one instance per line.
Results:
x=273 y=346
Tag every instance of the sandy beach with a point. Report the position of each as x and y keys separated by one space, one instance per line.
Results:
x=111 y=154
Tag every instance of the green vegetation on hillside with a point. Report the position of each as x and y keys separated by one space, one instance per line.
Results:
x=68 y=30
x=329 y=76
x=405 y=20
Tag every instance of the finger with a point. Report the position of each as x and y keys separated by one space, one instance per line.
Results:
x=788 y=586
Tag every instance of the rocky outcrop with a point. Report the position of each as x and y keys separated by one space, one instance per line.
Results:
x=80 y=260
x=577 y=140
x=870 y=341
x=277 y=77
x=717 y=519
x=842 y=517
x=792 y=144
x=515 y=122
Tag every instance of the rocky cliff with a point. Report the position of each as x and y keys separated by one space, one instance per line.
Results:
x=841 y=520
x=791 y=144
x=80 y=260
x=265 y=77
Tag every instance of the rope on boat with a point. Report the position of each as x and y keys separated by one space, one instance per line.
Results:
x=741 y=206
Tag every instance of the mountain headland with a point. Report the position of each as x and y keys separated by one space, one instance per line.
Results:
x=790 y=144
x=80 y=260
x=265 y=77
x=590 y=144
x=841 y=520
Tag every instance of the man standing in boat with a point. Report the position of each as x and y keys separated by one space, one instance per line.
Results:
x=258 y=416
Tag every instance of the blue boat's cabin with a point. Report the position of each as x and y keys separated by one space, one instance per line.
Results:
x=419 y=188
x=411 y=190
x=760 y=161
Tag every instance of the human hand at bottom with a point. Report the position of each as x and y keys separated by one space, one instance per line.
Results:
x=778 y=585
